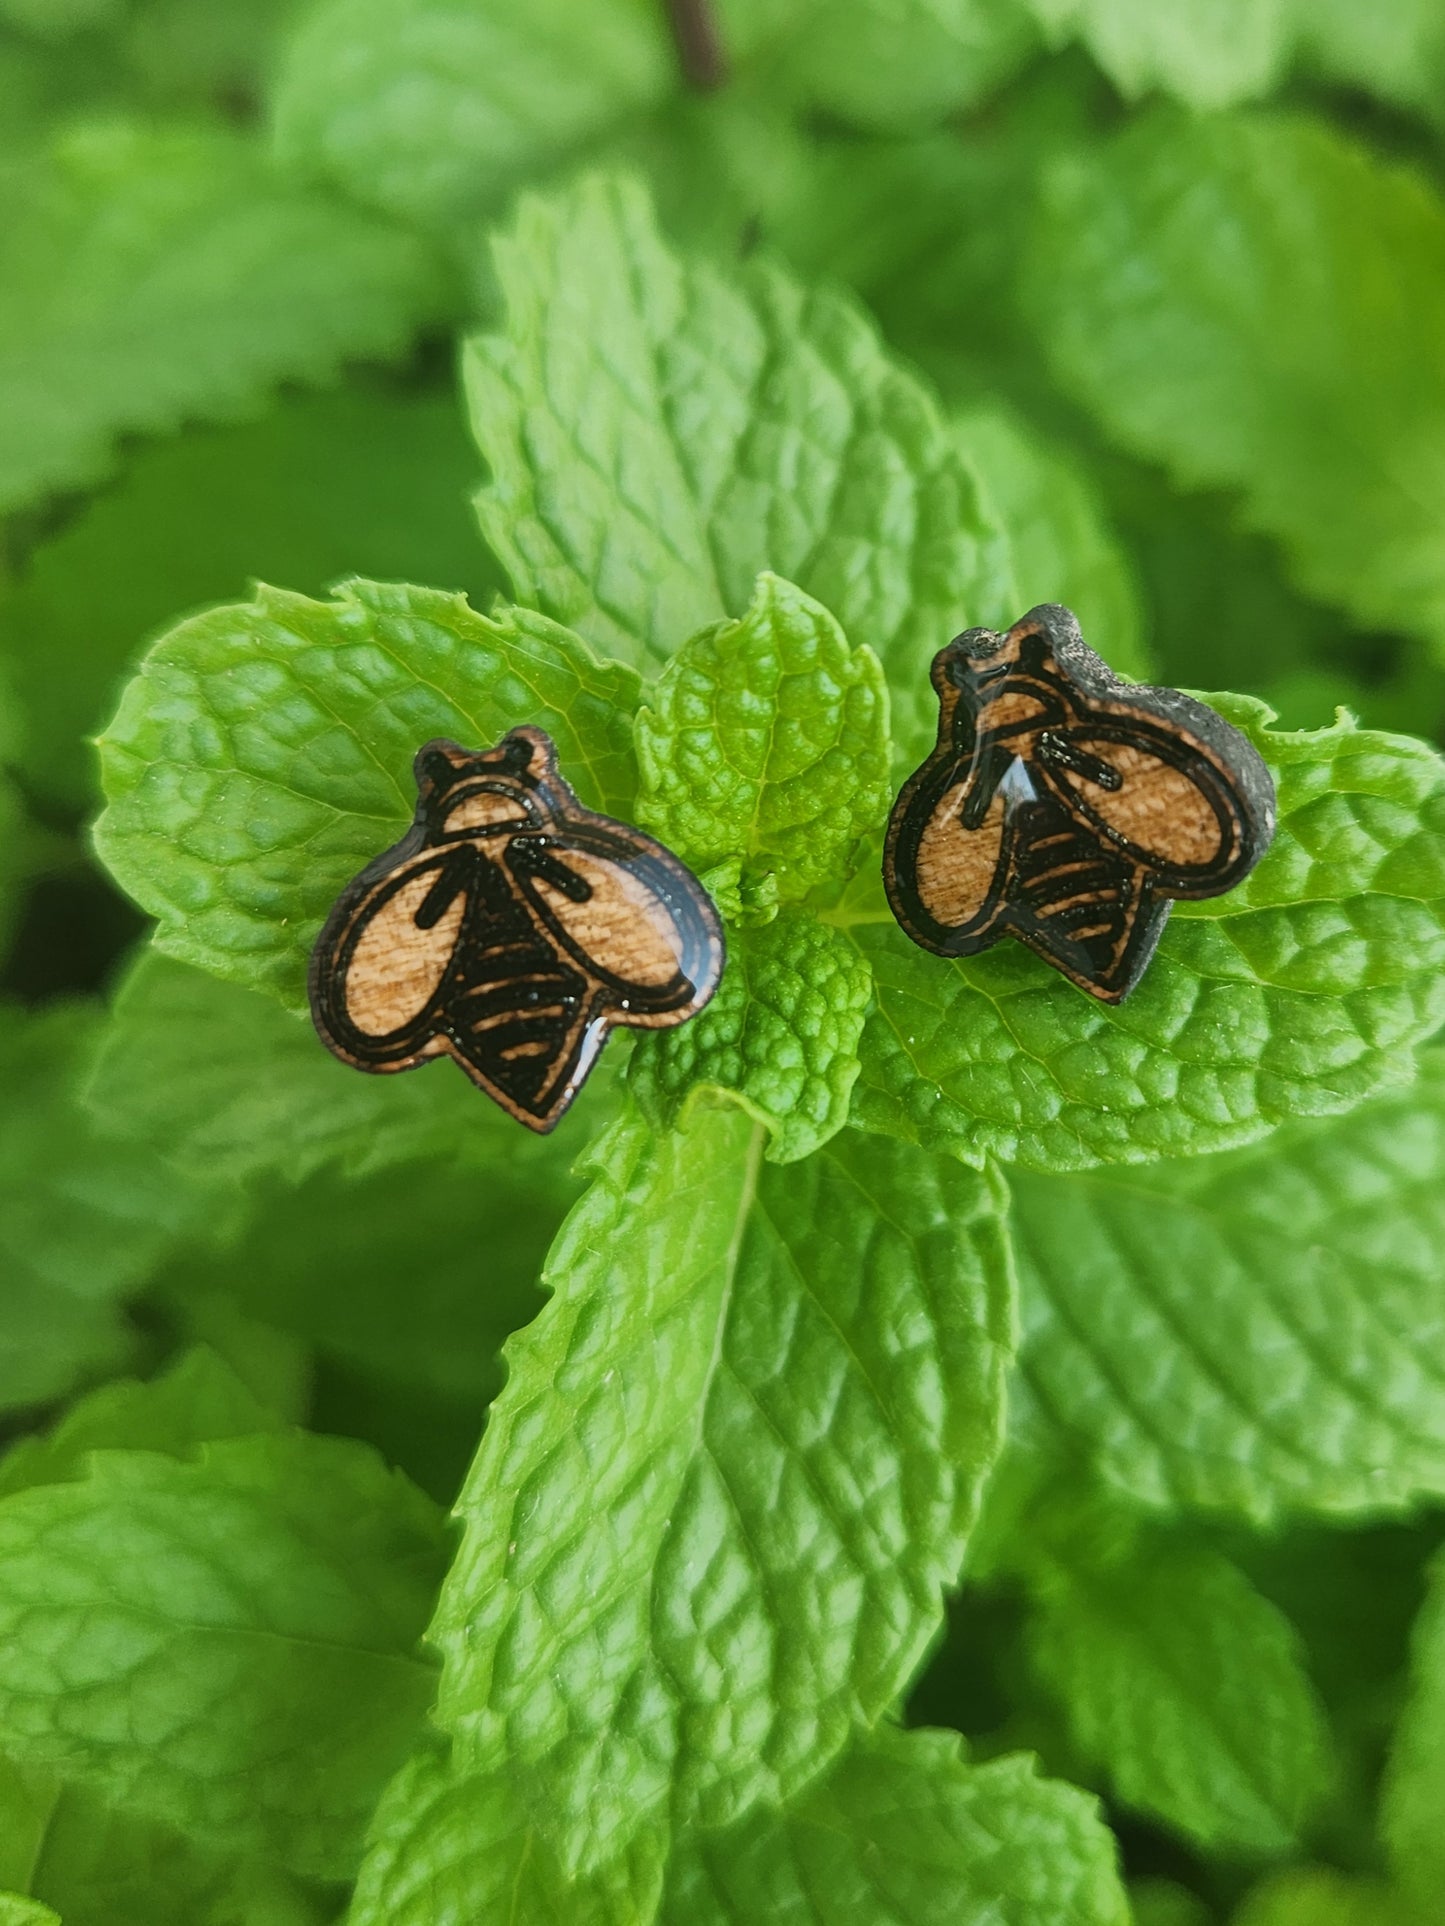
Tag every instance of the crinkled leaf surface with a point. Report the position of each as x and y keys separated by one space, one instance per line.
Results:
x=904 y=1832
x=734 y=1462
x=230 y=1088
x=781 y=1034
x=435 y=109
x=1299 y=993
x=447 y=1844
x=1186 y=1686
x=767 y=739
x=1255 y=302
x=83 y=1218
x=225 y=1645
x=152 y=276
x=262 y=755
x=1210 y=53
x=658 y=432
x=1260 y=1331
x=1063 y=547
x=370 y=479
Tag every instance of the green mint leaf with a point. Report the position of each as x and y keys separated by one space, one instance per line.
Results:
x=767 y=739
x=1063 y=546
x=1397 y=53
x=781 y=1034
x=96 y=1865
x=734 y=1463
x=904 y=1829
x=1186 y=1687
x=885 y=66
x=1410 y=1801
x=1255 y=1331
x=1316 y=1896
x=445 y=1844
x=262 y=755
x=423 y=1295
x=1209 y=56
x=83 y=1218
x=434 y=110
x=368 y=480
x=237 y=1634
x=1241 y=300
x=199 y=1398
x=175 y=1071
x=1300 y=993
x=658 y=432
x=1159 y=1902
x=16 y=1910
x=151 y=276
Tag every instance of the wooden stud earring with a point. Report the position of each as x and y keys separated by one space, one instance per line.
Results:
x=511 y=929
x=1067 y=808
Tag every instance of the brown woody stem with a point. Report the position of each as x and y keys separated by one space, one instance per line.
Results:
x=699 y=45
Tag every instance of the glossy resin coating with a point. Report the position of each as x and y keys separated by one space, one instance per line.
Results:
x=511 y=929
x=1067 y=808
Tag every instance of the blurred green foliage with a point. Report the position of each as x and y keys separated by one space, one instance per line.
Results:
x=961 y=1454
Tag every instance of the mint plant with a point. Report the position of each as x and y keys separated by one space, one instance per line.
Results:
x=916 y=1445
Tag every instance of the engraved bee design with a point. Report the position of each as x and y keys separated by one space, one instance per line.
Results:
x=1067 y=808
x=511 y=929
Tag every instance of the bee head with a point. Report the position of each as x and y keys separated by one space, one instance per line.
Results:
x=470 y=792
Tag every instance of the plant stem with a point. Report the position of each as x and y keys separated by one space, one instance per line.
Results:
x=699 y=44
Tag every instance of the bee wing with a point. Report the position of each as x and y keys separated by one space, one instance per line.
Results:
x=947 y=880
x=633 y=917
x=1168 y=801
x=392 y=955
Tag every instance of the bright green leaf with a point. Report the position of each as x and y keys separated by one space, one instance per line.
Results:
x=97 y=1865
x=1159 y=1902
x=83 y=1219
x=369 y=479
x=904 y=1832
x=436 y=109
x=179 y=1069
x=906 y=63
x=198 y=1399
x=421 y=1291
x=658 y=432
x=262 y=755
x=1415 y=1782
x=1063 y=547
x=155 y=276
x=1258 y=1331
x=1255 y=303
x=1210 y=53
x=16 y=1910
x=1395 y=52
x=1186 y=1687
x=1300 y=993
x=226 y=1646
x=1315 y=1896
x=781 y=1034
x=733 y=1465
x=767 y=739
x=448 y=1845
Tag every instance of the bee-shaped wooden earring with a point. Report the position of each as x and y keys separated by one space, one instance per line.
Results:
x=511 y=929
x=1067 y=808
